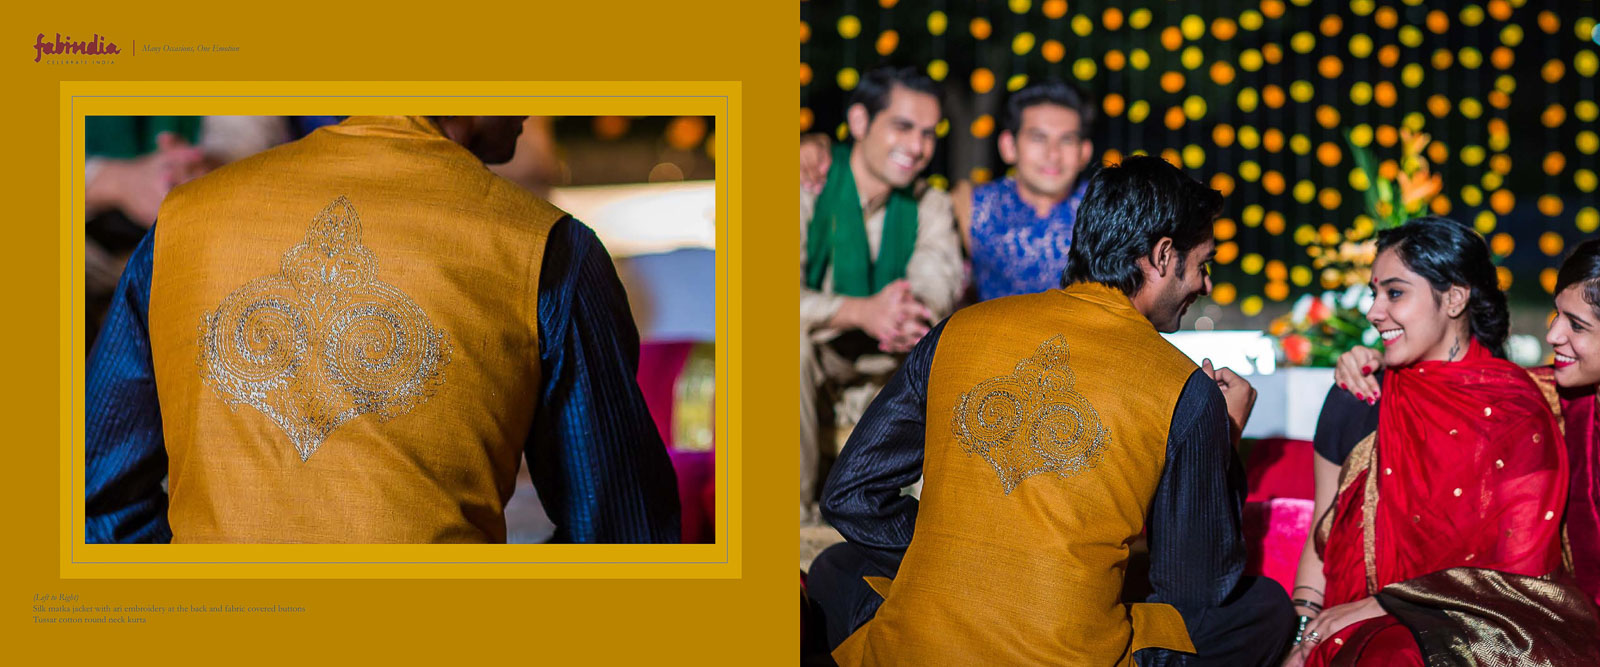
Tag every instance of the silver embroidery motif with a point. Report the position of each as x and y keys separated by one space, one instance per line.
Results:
x=1031 y=421
x=322 y=341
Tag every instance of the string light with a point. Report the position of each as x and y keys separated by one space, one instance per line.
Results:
x=1219 y=98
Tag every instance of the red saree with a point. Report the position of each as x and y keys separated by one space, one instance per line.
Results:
x=1582 y=419
x=1450 y=516
x=1582 y=414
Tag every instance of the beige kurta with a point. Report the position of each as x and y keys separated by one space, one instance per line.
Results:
x=935 y=269
x=936 y=275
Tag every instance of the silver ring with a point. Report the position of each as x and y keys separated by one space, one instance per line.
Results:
x=1314 y=637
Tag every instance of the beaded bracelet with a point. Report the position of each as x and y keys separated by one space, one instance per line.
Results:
x=1300 y=631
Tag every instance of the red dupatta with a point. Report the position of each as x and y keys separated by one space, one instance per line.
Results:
x=1470 y=471
x=1578 y=408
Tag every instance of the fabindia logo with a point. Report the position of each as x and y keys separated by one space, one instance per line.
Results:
x=97 y=46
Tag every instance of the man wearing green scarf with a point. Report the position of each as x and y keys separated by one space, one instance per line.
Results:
x=880 y=256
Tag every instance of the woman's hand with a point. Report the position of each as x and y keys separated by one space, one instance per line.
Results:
x=1297 y=657
x=1354 y=373
x=1332 y=620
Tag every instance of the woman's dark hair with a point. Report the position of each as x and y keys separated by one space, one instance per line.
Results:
x=1126 y=209
x=1447 y=253
x=1582 y=268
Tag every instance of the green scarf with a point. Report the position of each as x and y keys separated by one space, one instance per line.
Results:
x=837 y=235
x=127 y=137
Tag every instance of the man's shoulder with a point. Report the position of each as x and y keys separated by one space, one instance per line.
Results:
x=229 y=177
x=934 y=204
x=1002 y=313
x=479 y=188
x=977 y=190
x=522 y=206
x=927 y=194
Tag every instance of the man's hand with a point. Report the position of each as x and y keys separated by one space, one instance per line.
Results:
x=816 y=157
x=893 y=316
x=137 y=187
x=1354 y=373
x=1236 y=392
x=912 y=329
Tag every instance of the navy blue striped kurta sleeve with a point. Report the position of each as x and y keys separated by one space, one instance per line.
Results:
x=1196 y=524
x=124 y=456
x=862 y=498
x=601 y=469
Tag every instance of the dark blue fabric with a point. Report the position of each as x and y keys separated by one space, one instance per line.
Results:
x=1014 y=251
x=1197 y=551
x=600 y=467
x=602 y=471
x=1196 y=524
x=304 y=125
x=862 y=497
x=124 y=459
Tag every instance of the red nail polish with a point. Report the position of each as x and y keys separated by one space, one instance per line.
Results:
x=1358 y=395
x=1341 y=386
x=1366 y=370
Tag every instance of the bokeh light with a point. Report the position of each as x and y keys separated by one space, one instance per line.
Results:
x=1270 y=102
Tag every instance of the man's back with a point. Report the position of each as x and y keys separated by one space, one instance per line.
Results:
x=1047 y=429
x=344 y=334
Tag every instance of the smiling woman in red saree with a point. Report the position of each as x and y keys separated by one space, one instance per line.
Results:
x=1472 y=510
x=1443 y=544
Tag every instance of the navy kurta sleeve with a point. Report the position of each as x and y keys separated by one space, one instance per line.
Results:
x=1196 y=529
x=862 y=498
x=595 y=457
x=601 y=469
x=1197 y=548
x=124 y=456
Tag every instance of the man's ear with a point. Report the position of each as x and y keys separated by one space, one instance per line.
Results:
x=856 y=118
x=1008 y=147
x=1163 y=257
x=457 y=128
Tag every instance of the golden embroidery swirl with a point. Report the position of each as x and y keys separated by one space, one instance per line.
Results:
x=1031 y=421
x=322 y=341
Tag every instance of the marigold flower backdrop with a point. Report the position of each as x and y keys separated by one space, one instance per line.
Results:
x=1309 y=115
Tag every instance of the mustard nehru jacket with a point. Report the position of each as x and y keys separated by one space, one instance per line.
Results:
x=1047 y=419
x=345 y=339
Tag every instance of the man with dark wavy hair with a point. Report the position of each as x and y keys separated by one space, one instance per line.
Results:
x=1051 y=431
x=1016 y=229
x=880 y=257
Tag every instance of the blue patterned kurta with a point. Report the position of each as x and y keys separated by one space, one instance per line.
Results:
x=1013 y=250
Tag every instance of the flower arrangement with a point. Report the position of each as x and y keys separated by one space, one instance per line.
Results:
x=1320 y=328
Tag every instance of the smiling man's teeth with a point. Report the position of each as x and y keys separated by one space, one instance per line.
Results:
x=1392 y=334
